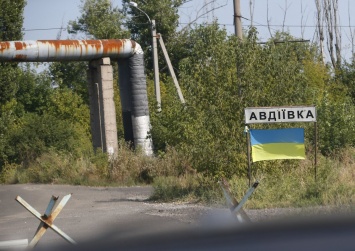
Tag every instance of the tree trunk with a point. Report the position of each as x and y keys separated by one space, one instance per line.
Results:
x=320 y=31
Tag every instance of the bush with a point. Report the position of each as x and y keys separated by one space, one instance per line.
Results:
x=34 y=135
x=8 y=174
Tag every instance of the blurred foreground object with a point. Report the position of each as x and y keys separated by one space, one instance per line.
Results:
x=323 y=234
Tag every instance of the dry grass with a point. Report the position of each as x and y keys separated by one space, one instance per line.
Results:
x=174 y=178
x=297 y=186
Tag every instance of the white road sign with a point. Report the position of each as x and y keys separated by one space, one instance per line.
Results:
x=255 y=115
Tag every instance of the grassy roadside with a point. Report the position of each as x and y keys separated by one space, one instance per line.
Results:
x=174 y=180
x=290 y=187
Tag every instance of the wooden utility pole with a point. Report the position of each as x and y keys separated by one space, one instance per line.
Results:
x=237 y=19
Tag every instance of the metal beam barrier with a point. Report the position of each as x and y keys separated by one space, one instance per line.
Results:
x=47 y=219
x=234 y=206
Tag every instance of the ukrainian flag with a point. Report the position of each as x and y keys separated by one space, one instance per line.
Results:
x=277 y=144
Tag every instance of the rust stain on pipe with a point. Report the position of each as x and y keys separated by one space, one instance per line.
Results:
x=20 y=45
x=4 y=46
x=107 y=46
x=66 y=50
x=20 y=57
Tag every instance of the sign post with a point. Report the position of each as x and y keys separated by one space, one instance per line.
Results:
x=283 y=114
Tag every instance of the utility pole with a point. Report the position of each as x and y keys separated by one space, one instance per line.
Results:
x=237 y=19
x=170 y=67
x=155 y=64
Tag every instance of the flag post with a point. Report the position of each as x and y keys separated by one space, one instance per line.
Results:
x=315 y=150
x=283 y=114
x=248 y=152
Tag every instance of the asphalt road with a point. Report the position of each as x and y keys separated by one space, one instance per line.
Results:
x=89 y=213
x=123 y=219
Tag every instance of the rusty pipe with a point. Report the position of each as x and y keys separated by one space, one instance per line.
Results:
x=67 y=50
x=87 y=50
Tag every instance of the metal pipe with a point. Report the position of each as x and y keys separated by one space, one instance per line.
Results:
x=67 y=50
x=154 y=54
x=85 y=50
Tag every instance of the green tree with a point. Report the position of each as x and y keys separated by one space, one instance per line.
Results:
x=100 y=20
x=11 y=21
x=33 y=134
x=62 y=125
x=221 y=76
x=72 y=75
x=165 y=14
x=7 y=120
x=336 y=124
x=348 y=78
x=34 y=90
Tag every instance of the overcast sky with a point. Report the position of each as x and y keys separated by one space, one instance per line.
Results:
x=44 y=17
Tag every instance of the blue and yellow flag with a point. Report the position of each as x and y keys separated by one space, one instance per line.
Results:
x=277 y=144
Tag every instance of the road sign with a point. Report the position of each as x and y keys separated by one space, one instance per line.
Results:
x=255 y=115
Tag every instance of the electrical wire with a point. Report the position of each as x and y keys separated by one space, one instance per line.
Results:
x=222 y=24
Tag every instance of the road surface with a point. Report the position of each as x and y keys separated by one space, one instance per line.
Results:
x=122 y=218
x=90 y=212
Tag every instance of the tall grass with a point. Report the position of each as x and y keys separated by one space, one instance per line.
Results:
x=173 y=178
x=292 y=186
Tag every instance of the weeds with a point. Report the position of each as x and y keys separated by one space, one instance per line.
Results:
x=173 y=178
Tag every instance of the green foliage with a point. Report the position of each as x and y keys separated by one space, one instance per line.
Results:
x=186 y=188
x=55 y=167
x=33 y=135
x=131 y=167
x=222 y=75
x=33 y=91
x=23 y=84
x=293 y=186
x=11 y=20
x=165 y=14
x=348 y=77
x=100 y=20
x=72 y=75
x=336 y=125
x=171 y=123
x=45 y=132
x=8 y=81
x=297 y=186
x=173 y=188
x=62 y=125
x=9 y=173
x=66 y=105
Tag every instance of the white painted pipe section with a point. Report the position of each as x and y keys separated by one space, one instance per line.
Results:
x=67 y=50
x=141 y=128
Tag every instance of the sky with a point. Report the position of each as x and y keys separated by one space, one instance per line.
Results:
x=43 y=18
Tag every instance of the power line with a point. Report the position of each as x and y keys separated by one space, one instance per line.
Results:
x=256 y=25
x=287 y=25
x=44 y=29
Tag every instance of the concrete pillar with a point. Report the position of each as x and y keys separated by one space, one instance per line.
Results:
x=102 y=106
